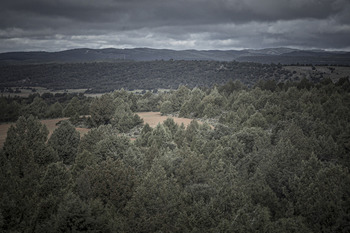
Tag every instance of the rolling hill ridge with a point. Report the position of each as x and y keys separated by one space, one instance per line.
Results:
x=269 y=55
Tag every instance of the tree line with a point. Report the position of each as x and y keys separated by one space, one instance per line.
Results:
x=46 y=105
x=101 y=77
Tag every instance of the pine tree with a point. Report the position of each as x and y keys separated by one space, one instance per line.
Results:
x=171 y=125
x=102 y=110
x=53 y=186
x=112 y=182
x=179 y=97
x=65 y=140
x=90 y=139
x=190 y=107
x=72 y=108
x=179 y=137
x=124 y=119
x=114 y=147
x=143 y=139
x=74 y=215
x=26 y=156
x=55 y=110
x=321 y=196
x=160 y=136
x=155 y=203
x=37 y=108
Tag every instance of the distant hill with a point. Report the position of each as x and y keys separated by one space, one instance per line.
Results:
x=269 y=55
x=100 y=77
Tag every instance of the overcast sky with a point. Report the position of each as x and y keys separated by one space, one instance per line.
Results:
x=54 y=25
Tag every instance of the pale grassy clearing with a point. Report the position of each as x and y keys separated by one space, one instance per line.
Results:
x=154 y=118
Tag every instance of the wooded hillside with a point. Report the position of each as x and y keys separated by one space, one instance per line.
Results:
x=103 y=77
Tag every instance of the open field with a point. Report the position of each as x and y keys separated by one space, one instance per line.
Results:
x=152 y=118
x=50 y=124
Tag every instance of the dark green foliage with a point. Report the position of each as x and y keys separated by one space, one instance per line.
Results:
x=211 y=104
x=83 y=160
x=191 y=105
x=166 y=108
x=10 y=109
x=75 y=119
x=328 y=183
x=28 y=138
x=55 y=180
x=37 y=108
x=23 y=162
x=55 y=110
x=179 y=136
x=253 y=139
x=171 y=125
x=160 y=136
x=65 y=140
x=154 y=204
x=102 y=110
x=45 y=106
x=102 y=77
x=292 y=224
x=144 y=138
x=115 y=109
x=90 y=139
x=124 y=119
x=256 y=120
x=275 y=158
x=72 y=108
x=113 y=146
x=179 y=97
x=111 y=181
x=54 y=184
x=74 y=215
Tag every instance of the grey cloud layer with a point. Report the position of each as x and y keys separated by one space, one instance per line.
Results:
x=198 y=24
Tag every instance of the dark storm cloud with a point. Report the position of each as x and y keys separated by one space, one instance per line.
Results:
x=164 y=12
x=198 y=24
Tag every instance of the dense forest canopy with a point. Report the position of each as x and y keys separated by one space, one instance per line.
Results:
x=273 y=157
x=100 y=77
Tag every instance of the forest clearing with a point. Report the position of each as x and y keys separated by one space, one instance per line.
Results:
x=152 y=118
